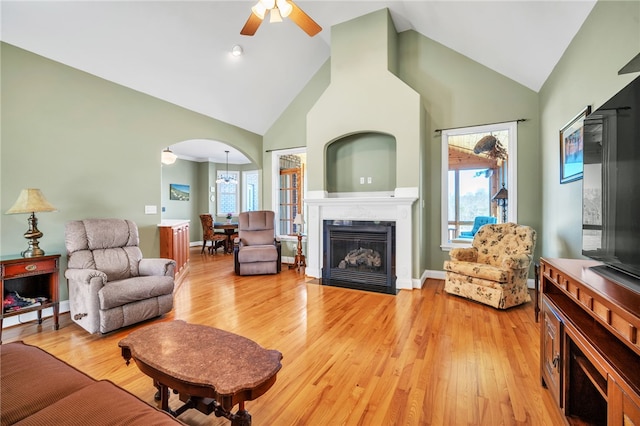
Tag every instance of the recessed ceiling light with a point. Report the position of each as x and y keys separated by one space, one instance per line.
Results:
x=236 y=50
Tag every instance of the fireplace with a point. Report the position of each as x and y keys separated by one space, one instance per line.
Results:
x=360 y=255
x=365 y=96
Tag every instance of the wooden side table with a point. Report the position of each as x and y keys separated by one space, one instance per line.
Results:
x=299 y=261
x=33 y=277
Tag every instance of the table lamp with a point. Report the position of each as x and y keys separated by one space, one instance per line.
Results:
x=31 y=201
x=299 y=221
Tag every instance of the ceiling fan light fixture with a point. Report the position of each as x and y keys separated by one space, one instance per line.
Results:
x=259 y=10
x=284 y=7
x=279 y=9
x=274 y=15
x=268 y=4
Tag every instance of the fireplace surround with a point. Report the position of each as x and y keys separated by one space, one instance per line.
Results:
x=365 y=95
x=359 y=255
x=397 y=207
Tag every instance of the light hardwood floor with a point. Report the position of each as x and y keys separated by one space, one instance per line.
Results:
x=422 y=357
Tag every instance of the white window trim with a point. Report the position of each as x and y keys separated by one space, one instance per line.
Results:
x=236 y=174
x=275 y=179
x=512 y=173
x=244 y=189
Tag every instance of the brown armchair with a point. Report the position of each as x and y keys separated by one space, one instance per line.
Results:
x=494 y=270
x=217 y=239
x=256 y=250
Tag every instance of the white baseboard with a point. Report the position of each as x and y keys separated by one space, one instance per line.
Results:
x=32 y=316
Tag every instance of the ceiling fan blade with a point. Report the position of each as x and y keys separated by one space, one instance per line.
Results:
x=251 y=26
x=303 y=20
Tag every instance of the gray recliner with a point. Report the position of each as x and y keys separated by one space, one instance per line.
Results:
x=110 y=284
x=256 y=250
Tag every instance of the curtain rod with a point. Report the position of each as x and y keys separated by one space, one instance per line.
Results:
x=281 y=149
x=476 y=125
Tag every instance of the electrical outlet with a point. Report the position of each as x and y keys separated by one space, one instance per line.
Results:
x=369 y=179
x=362 y=180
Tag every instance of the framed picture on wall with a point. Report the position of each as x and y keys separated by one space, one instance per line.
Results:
x=572 y=147
x=178 y=192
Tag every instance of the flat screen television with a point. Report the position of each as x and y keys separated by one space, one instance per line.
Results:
x=611 y=185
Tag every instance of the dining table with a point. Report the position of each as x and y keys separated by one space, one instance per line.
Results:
x=229 y=228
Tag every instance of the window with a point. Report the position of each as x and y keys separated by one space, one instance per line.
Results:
x=477 y=163
x=469 y=196
x=251 y=199
x=289 y=188
x=228 y=195
x=291 y=179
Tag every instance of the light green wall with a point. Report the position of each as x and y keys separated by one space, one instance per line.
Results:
x=92 y=146
x=365 y=96
x=185 y=173
x=587 y=74
x=290 y=130
x=456 y=91
x=363 y=155
x=200 y=176
x=459 y=92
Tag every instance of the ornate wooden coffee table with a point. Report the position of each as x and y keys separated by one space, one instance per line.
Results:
x=211 y=369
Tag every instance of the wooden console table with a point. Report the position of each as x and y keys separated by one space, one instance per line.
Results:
x=589 y=344
x=31 y=277
x=174 y=244
x=211 y=369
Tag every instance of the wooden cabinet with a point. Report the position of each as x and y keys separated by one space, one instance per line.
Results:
x=626 y=411
x=174 y=243
x=589 y=344
x=33 y=277
x=550 y=351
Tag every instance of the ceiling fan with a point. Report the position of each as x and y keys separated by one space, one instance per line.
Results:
x=279 y=9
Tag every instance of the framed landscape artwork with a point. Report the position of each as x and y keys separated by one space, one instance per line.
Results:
x=572 y=148
x=178 y=192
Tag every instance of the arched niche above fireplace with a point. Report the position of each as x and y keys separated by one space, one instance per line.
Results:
x=361 y=162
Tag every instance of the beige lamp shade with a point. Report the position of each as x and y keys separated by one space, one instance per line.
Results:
x=299 y=220
x=31 y=200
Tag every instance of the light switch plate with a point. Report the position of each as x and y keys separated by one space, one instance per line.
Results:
x=150 y=209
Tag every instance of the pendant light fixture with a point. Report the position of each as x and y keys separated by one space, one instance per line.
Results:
x=226 y=178
x=168 y=157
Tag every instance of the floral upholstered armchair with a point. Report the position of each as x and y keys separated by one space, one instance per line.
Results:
x=494 y=270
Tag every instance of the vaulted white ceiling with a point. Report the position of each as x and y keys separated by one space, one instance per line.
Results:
x=179 y=51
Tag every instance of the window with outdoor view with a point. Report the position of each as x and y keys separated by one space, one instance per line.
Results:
x=228 y=194
x=289 y=188
x=478 y=179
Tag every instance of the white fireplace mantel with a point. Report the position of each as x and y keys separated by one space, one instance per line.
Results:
x=397 y=208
